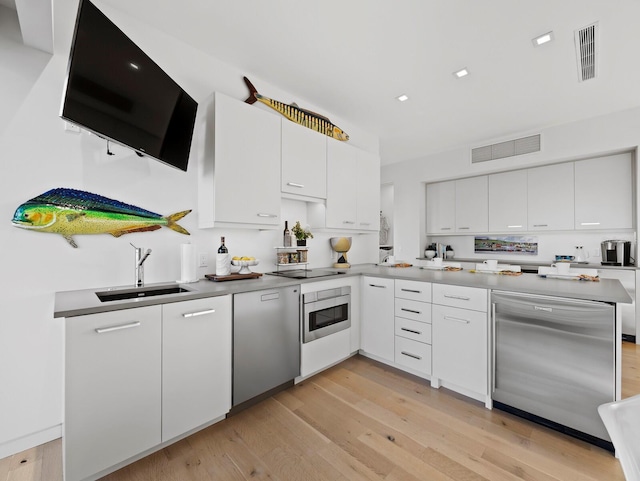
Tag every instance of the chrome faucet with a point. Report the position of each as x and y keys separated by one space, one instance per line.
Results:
x=139 y=268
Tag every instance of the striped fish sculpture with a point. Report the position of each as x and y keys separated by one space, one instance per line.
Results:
x=300 y=116
x=69 y=212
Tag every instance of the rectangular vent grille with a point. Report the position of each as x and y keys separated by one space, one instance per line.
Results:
x=510 y=148
x=586 y=48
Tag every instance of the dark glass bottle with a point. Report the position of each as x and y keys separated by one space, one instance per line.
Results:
x=286 y=236
x=222 y=249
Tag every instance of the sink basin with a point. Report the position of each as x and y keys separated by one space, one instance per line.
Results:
x=138 y=292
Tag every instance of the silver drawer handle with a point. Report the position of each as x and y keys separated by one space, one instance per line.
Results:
x=464 y=228
x=540 y=225
x=409 y=310
x=449 y=318
x=375 y=285
x=294 y=184
x=514 y=226
x=540 y=308
x=589 y=223
x=445 y=228
x=348 y=222
x=261 y=214
x=198 y=313
x=365 y=223
x=460 y=298
x=102 y=330
x=410 y=355
x=411 y=290
x=410 y=330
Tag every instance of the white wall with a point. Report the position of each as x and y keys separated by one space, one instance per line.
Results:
x=20 y=66
x=616 y=132
x=38 y=154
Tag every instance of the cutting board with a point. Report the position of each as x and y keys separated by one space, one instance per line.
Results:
x=233 y=277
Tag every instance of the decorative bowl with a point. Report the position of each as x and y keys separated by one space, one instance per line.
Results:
x=244 y=265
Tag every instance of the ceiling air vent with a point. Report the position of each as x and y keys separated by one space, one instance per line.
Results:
x=510 y=148
x=586 y=51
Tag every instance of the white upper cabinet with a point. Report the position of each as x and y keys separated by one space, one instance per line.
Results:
x=550 y=191
x=472 y=205
x=508 y=201
x=441 y=207
x=368 y=191
x=604 y=193
x=240 y=186
x=304 y=162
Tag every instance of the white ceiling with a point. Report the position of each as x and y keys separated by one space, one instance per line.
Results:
x=354 y=57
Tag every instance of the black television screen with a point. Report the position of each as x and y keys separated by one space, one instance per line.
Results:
x=116 y=91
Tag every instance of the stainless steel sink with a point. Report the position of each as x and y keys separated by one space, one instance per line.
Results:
x=138 y=292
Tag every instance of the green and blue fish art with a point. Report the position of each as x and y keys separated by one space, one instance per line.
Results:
x=306 y=118
x=70 y=212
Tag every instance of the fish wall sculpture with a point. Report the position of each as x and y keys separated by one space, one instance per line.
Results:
x=69 y=212
x=298 y=115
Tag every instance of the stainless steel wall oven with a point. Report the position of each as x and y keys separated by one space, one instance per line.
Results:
x=325 y=312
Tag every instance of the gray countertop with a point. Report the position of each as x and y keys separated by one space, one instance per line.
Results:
x=81 y=302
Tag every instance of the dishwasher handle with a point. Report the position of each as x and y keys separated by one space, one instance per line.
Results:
x=271 y=296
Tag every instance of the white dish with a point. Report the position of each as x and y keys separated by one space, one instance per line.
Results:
x=244 y=265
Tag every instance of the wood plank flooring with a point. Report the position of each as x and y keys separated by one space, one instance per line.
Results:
x=362 y=420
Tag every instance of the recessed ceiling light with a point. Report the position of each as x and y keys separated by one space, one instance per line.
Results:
x=402 y=98
x=461 y=73
x=134 y=66
x=542 y=39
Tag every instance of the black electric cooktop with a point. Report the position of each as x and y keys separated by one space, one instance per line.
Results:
x=305 y=273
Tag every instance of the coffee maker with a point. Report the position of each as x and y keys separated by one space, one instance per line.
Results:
x=616 y=253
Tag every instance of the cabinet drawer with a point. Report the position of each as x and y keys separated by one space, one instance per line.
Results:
x=415 y=290
x=413 y=354
x=418 y=331
x=418 y=311
x=459 y=296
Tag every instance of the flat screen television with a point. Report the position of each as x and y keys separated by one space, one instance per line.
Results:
x=116 y=91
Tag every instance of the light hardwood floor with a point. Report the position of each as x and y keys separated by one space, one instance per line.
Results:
x=362 y=420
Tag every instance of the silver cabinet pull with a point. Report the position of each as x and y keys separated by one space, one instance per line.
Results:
x=262 y=214
x=540 y=225
x=540 y=308
x=456 y=319
x=294 y=184
x=102 y=330
x=348 y=222
x=409 y=310
x=198 y=313
x=589 y=223
x=514 y=226
x=411 y=290
x=410 y=330
x=493 y=347
x=445 y=228
x=463 y=228
x=460 y=298
x=411 y=355
x=379 y=287
x=365 y=223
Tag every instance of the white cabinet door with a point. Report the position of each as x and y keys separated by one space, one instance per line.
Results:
x=304 y=161
x=112 y=388
x=472 y=205
x=550 y=192
x=377 y=317
x=459 y=340
x=508 y=201
x=241 y=187
x=368 y=191
x=196 y=363
x=441 y=207
x=604 y=193
x=342 y=193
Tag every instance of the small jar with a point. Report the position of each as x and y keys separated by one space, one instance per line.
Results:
x=283 y=257
x=293 y=258
x=302 y=256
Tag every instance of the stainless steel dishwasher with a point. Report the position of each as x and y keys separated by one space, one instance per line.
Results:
x=554 y=361
x=266 y=341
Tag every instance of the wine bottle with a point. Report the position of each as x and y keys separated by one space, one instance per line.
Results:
x=287 y=235
x=223 y=261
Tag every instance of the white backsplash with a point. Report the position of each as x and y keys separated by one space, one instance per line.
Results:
x=549 y=245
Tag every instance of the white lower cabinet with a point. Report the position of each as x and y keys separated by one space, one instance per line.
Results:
x=324 y=352
x=460 y=342
x=413 y=326
x=112 y=389
x=136 y=378
x=376 y=323
x=196 y=363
